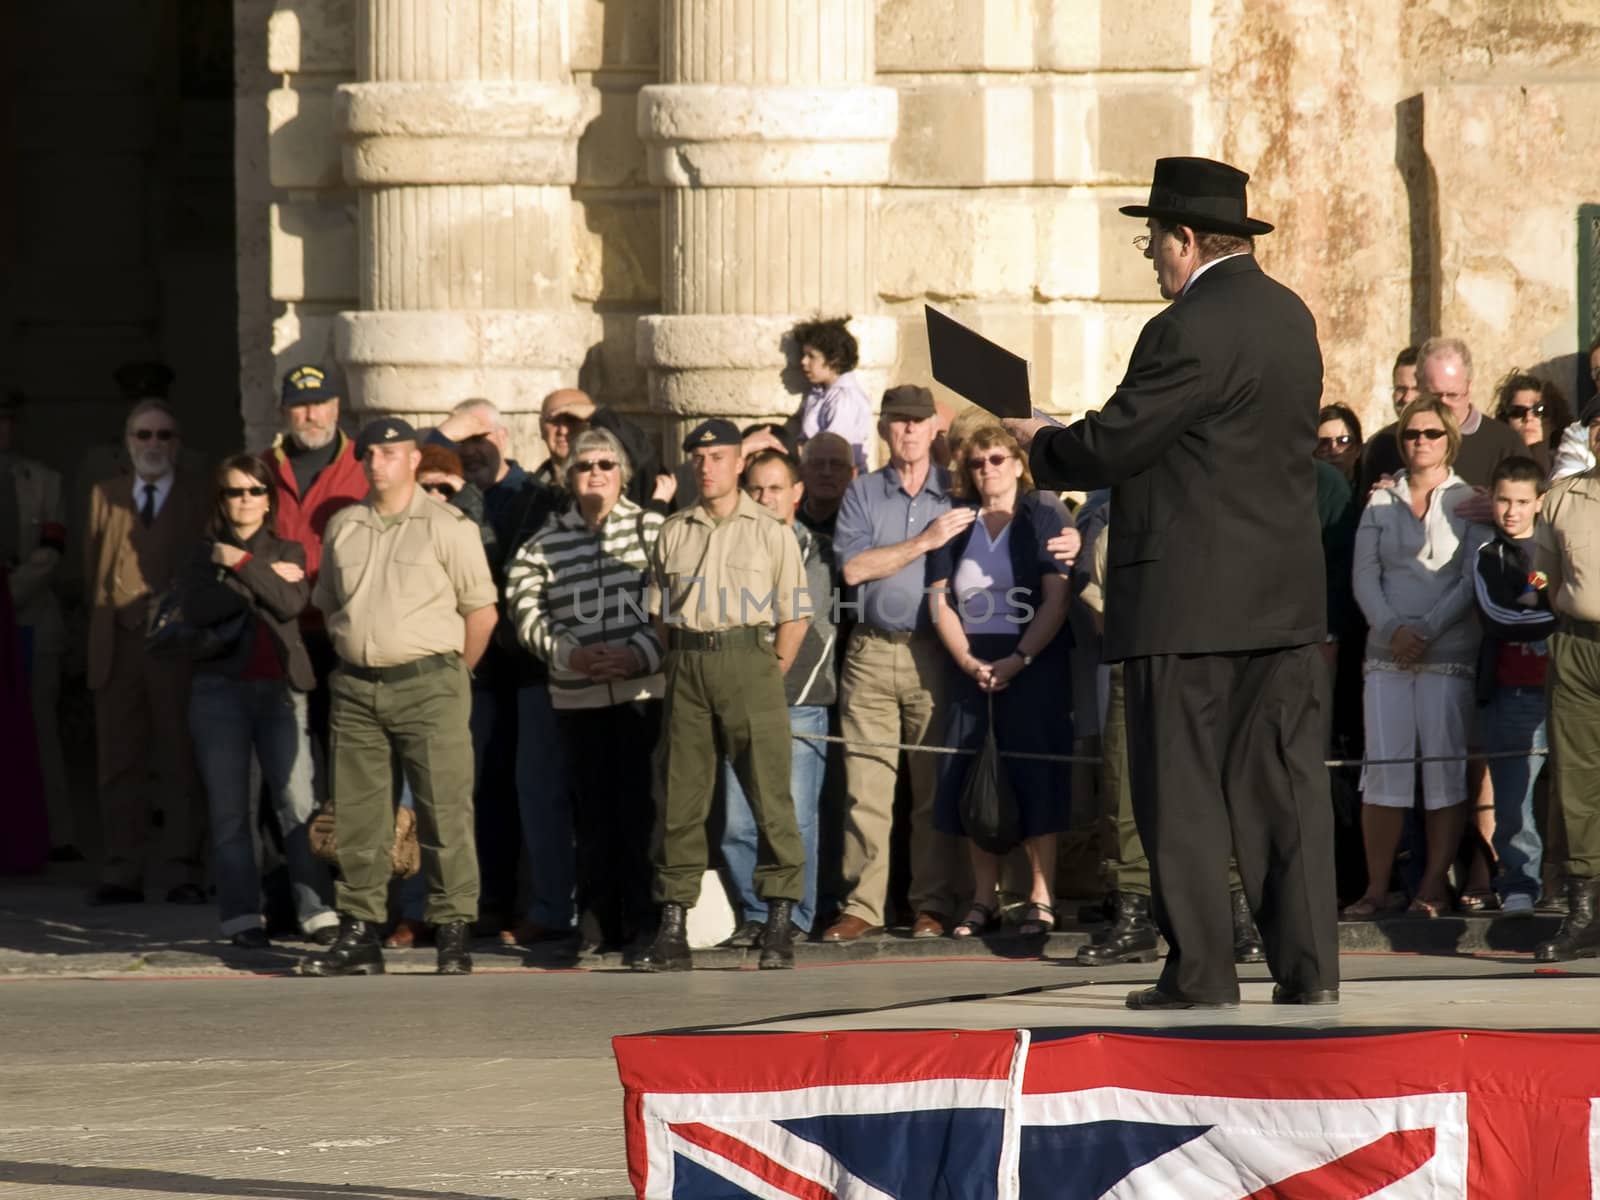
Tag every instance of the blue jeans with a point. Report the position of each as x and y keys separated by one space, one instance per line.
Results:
x=807 y=762
x=229 y=719
x=1515 y=720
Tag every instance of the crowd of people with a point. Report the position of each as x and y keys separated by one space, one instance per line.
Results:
x=577 y=677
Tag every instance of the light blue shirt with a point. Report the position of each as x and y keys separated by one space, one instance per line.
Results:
x=876 y=511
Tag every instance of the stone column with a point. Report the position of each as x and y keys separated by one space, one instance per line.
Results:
x=461 y=139
x=769 y=138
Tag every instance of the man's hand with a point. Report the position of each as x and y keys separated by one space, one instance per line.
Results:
x=666 y=488
x=1065 y=545
x=1478 y=507
x=458 y=427
x=1379 y=484
x=762 y=439
x=1025 y=431
x=944 y=527
x=289 y=572
x=1407 y=645
x=226 y=555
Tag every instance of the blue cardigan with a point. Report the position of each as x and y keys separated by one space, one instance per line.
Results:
x=1034 y=524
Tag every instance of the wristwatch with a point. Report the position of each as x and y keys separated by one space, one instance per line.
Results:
x=1027 y=659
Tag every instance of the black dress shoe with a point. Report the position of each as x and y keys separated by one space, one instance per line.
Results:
x=187 y=893
x=1247 y=946
x=326 y=936
x=777 y=937
x=670 y=950
x=1132 y=938
x=115 y=893
x=1282 y=995
x=251 y=939
x=746 y=937
x=357 y=950
x=1155 y=1000
x=452 y=939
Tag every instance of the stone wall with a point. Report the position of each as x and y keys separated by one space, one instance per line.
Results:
x=1419 y=159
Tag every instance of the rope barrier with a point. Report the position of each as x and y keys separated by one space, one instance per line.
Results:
x=1095 y=759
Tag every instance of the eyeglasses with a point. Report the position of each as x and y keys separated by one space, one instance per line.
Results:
x=1331 y=443
x=240 y=493
x=1446 y=397
x=1521 y=412
x=997 y=459
x=584 y=466
x=161 y=435
x=446 y=490
x=1142 y=242
x=1433 y=435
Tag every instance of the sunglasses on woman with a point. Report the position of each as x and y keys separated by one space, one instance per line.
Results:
x=441 y=489
x=584 y=466
x=161 y=435
x=1335 y=443
x=996 y=459
x=1521 y=412
x=240 y=493
x=1433 y=435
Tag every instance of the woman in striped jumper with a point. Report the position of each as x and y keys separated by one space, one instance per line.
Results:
x=576 y=593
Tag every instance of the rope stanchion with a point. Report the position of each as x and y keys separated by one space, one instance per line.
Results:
x=1094 y=759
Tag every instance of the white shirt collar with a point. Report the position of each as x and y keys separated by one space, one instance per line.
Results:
x=1206 y=266
x=163 y=489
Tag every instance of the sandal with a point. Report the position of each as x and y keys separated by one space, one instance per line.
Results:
x=1421 y=907
x=1366 y=908
x=1037 y=919
x=980 y=918
x=1478 y=900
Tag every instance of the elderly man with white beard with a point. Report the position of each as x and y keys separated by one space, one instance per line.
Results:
x=142 y=526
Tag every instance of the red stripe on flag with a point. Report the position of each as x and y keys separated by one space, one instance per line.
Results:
x=752 y=1160
x=1360 y=1173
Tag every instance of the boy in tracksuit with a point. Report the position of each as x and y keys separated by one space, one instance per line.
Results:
x=1514 y=608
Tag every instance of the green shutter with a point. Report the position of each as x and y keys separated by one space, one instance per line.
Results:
x=1588 y=278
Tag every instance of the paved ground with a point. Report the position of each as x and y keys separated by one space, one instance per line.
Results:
x=141 y=1061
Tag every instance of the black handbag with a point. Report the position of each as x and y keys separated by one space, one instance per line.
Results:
x=989 y=812
x=172 y=633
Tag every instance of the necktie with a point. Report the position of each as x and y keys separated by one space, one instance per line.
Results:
x=147 y=510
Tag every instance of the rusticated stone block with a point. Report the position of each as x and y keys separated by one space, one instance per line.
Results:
x=1122 y=35
x=974 y=35
x=314 y=250
x=956 y=244
x=610 y=153
x=617 y=249
x=615 y=34
x=312 y=36
x=302 y=146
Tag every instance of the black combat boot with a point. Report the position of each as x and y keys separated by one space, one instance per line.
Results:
x=1579 y=935
x=1131 y=938
x=452 y=939
x=777 y=938
x=670 y=950
x=1247 y=946
x=358 y=950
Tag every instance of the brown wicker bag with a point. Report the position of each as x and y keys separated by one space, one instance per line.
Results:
x=405 y=856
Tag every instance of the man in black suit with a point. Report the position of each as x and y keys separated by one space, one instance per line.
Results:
x=1215 y=597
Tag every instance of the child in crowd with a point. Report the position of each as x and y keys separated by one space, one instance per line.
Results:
x=834 y=400
x=1514 y=606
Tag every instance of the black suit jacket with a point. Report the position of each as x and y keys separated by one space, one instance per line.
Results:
x=1215 y=544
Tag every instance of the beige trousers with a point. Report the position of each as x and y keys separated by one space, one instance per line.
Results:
x=891 y=691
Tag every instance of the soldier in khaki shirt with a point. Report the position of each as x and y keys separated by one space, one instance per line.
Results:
x=1568 y=552
x=410 y=603
x=723 y=574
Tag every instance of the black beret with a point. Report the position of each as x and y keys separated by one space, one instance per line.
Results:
x=384 y=429
x=715 y=432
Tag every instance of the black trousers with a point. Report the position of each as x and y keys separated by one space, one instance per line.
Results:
x=1226 y=753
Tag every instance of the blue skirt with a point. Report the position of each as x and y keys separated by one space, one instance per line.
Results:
x=1033 y=715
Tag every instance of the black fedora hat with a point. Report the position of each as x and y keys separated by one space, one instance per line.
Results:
x=1200 y=193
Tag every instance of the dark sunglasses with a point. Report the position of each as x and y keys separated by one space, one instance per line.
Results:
x=1433 y=435
x=595 y=464
x=1521 y=412
x=1341 y=441
x=240 y=493
x=997 y=459
x=441 y=489
x=161 y=435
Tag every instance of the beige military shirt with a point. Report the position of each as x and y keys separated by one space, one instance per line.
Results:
x=1567 y=537
x=397 y=591
x=743 y=570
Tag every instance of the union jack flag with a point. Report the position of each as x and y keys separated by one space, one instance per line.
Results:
x=995 y=1115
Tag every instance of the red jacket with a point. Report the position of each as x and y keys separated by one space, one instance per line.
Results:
x=303 y=518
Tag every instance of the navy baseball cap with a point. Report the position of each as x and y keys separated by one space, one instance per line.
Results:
x=715 y=432
x=384 y=429
x=307 y=385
